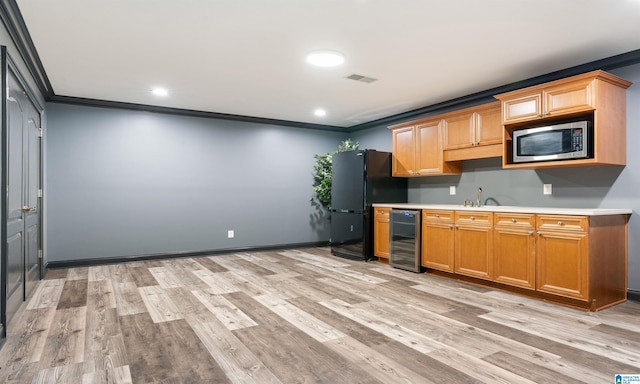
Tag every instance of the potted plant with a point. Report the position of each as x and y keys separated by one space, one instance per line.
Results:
x=322 y=174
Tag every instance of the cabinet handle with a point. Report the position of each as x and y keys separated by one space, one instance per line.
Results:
x=539 y=233
x=513 y=220
x=437 y=215
x=472 y=218
x=530 y=233
x=560 y=223
x=450 y=226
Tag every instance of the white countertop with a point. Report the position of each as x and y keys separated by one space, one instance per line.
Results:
x=512 y=209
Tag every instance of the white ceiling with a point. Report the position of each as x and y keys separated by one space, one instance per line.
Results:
x=246 y=57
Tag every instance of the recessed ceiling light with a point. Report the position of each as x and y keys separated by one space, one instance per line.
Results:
x=325 y=58
x=160 y=91
x=320 y=112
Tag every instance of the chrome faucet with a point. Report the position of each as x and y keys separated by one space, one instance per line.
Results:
x=478 y=201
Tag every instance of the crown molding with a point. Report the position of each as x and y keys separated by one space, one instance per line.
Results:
x=13 y=21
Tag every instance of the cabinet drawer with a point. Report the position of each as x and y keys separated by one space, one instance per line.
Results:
x=515 y=220
x=562 y=223
x=474 y=218
x=437 y=216
x=381 y=213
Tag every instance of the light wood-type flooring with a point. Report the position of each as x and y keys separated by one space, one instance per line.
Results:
x=303 y=316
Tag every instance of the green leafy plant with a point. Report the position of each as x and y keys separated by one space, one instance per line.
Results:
x=322 y=174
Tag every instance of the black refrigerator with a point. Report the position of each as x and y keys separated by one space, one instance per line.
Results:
x=359 y=179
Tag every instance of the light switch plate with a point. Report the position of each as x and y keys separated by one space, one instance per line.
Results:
x=452 y=190
x=230 y=234
x=546 y=189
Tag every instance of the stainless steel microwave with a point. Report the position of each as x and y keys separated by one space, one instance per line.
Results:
x=554 y=142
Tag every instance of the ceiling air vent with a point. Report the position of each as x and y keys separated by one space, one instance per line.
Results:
x=362 y=79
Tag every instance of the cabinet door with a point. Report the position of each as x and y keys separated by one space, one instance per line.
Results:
x=523 y=108
x=562 y=264
x=403 y=144
x=474 y=251
x=514 y=257
x=438 y=246
x=429 y=150
x=568 y=98
x=488 y=126
x=381 y=232
x=459 y=131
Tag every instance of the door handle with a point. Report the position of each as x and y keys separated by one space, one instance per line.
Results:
x=28 y=209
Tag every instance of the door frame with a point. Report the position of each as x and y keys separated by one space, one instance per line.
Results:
x=8 y=66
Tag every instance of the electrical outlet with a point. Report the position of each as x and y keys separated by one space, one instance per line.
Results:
x=547 y=189
x=452 y=190
x=230 y=234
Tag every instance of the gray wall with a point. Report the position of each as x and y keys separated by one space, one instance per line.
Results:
x=129 y=183
x=592 y=187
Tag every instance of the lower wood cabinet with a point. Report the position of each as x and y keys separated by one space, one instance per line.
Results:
x=438 y=240
x=474 y=244
x=381 y=232
x=562 y=254
x=571 y=259
x=514 y=249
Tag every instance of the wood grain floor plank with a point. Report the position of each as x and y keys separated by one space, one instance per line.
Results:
x=387 y=326
x=119 y=375
x=380 y=366
x=531 y=371
x=128 y=300
x=264 y=260
x=189 y=356
x=252 y=267
x=165 y=278
x=65 y=340
x=47 y=294
x=404 y=355
x=313 y=327
x=236 y=360
x=120 y=273
x=582 y=365
x=104 y=347
x=68 y=373
x=55 y=274
x=78 y=273
x=217 y=282
x=98 y=273
x=25 y=342
x=227 y=313
x=191 y=308
x=317 y=261
x=100 y=295
x=574 y=339
x=477 y=368
x=140 y=274
x=292 y=355
x=182 y=269
x=148 y=355
x=209 y=263
x=159 y=305
x=74 y=294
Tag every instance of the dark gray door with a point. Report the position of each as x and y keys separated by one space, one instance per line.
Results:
x=23 y=152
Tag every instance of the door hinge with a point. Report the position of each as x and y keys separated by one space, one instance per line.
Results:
x=40 y=255
x=40 y=132
x=39 y=192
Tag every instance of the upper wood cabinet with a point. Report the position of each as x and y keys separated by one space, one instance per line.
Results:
x=404 y=152
x=595 y=96
x=417 y=150
x=468 y=133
